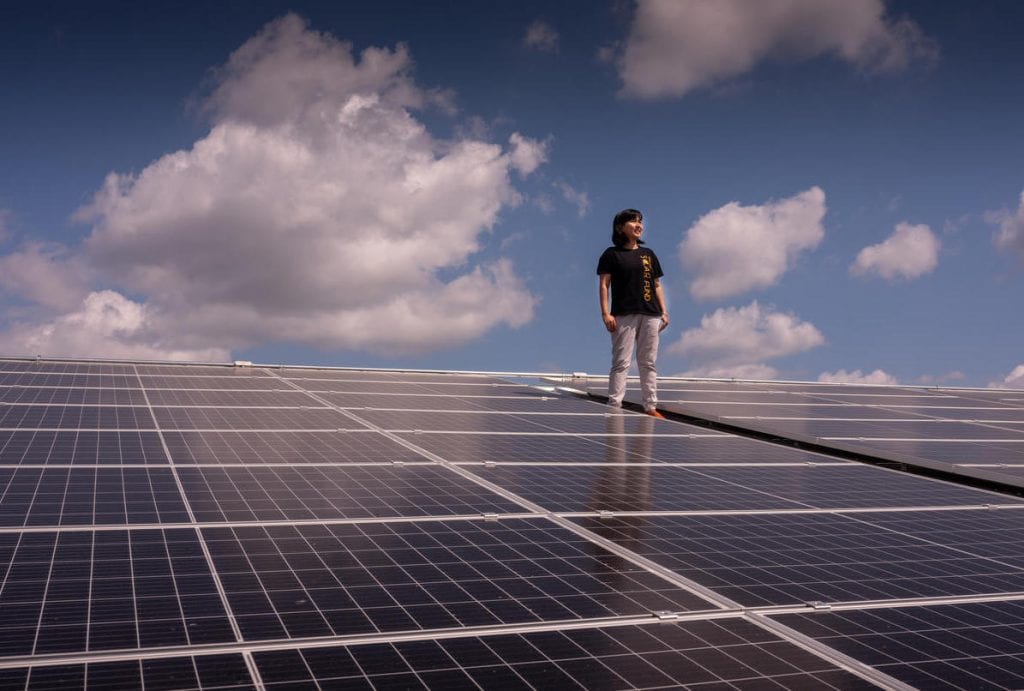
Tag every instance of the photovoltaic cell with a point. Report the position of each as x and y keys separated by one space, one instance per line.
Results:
x=713 y=448
x=898 y=423
x=89 y=496
x=65 y=396
x=241 y=447
x=398 y=401
x=237 y=383
x=594 y=423
x=786 y=559
x=106 y=590
x=253 y=418
x=74 y=417
x=305 y=581
x=786 y=412
x=205 y=673
x=627 y=487
x=471 y=389
x=935 y=429
x=222 y=398
x=67 y=367
x=479 y=448
x=369 y=387
x=642 y=487
x=723 y=654
x=328 y=493
x=293 y=521
x=205 y=371
x=80 y=447
x=106 y=381
x=950 y=450
x=434 y=402
x=855 y=486
x=993 y=534
x=958 y=646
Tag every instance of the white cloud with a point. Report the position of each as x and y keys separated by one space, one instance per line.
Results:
x=748 y=371
x=911 y=251
x=526 y=155
x=939 y=379
x=857 y=377
x=675 y=46
x=317 y=210
x=107 y=325
x=45 y=274
x=736 y=248
x=1013 y=380
x=581 y=200
x=542 y=37
x=736 y=341
x=289 y=73
x=1009 y=233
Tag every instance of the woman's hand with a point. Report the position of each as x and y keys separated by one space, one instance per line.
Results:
x=609 y=323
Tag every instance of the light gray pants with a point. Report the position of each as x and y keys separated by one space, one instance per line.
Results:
x=640 y=330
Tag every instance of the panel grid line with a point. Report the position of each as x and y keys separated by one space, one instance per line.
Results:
x=729 y=542
x=206 y=552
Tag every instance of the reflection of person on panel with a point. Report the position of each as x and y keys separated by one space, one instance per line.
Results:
x=623 y=483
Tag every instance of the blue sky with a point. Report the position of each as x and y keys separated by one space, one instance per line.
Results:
x=834 y=188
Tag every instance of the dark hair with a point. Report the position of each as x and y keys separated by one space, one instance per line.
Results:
x=621 y=218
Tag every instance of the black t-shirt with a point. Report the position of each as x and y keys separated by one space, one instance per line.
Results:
x=633 y=279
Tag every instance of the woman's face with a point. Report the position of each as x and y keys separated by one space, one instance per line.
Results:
x=632 y=230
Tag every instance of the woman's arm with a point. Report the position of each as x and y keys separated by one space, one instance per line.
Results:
x=604 y=287
x=661 y=304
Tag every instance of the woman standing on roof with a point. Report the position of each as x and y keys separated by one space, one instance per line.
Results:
x=632 y=276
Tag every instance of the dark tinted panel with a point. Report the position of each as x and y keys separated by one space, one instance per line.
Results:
x=89 y=496
x=294 y=582
x=798 y=558
x=74 y=417
x=80 y=448
x=324 y=492
x=233 y=448
x=89 y=591
x=969 y=646
x=253 y=418
x=728 y=653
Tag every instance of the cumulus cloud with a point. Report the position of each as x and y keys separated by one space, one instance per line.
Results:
x=911 y=251
x=743 y=371
x=736 y=341
x=541 y=36
x=737 y=248
x=525 y=154
x=1009 y=233
x=318 y=209
x=124 y=328
x=938 y=379
x=841 y=376
x=289 y=73
x=675 y=46
x=46 y=274
x=581 y=200
x=1013 y=380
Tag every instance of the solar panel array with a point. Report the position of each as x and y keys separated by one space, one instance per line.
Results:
x=972 y=432
x=177 y=526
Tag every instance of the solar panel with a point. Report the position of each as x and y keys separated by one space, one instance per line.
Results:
x=179 y=526
x=975 y=433
x=970 y=645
